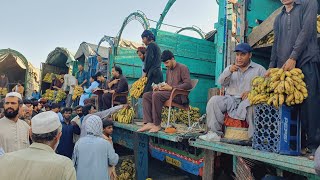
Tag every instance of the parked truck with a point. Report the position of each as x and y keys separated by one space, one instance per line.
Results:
x=17 y=68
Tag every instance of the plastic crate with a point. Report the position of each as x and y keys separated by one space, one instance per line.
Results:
x=277 y=130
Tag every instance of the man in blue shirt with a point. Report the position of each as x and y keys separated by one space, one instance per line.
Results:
x=69 y=128
x=82 y=76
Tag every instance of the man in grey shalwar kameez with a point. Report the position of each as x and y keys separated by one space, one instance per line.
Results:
x=236 y=79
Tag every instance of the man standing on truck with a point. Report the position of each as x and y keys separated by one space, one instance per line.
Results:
x=236 y=78
x=295 y=45
x=82 y=77
x=152 y=62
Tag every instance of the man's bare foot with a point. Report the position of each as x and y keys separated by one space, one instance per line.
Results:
x=146 y=127
x=155 y=129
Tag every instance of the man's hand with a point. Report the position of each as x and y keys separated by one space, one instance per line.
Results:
x=267 y=74
x=233 y=68
x=245 y=95
x=289 y=65
x=112 y=91
x=106 y=91
x=155 y=88
x=165 y=88
x=115 y=81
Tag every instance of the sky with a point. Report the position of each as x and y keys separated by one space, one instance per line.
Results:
x=37 y=27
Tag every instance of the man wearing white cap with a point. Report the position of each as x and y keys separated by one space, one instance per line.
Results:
x=39 y=161
x=14 y=133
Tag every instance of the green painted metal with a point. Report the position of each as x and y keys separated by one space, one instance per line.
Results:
x=192 y=28
x=294 y=163
x=197 y=54
x=164 y=13
x=139 y=16
x=220 y=36
x=162 y=135
x=260 y=10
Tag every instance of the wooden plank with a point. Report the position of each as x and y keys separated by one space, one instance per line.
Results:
x=141 y=155
x=291 y=162
x=263 y=29
x=161 y=134
x=208 y=165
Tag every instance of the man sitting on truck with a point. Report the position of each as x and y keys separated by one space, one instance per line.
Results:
x=178 y=76
x=82 y=77
x=117 y=84
x=236 y=78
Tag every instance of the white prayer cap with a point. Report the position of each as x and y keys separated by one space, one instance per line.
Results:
x=14 y=94
x=45 y=122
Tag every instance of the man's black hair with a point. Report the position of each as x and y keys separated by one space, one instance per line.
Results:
x=107 y=123
x=94 y=77
x=66 y=109
x=87 y=108
x=166 y=55
x=27 y=101
x=99 y=74
x=77 y=107
x=118 y=68
x=148 y=34
x=55 y=105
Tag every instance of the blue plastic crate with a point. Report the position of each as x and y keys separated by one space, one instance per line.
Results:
x=277 y=130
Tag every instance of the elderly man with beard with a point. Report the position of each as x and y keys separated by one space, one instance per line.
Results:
x=69 y=128
x=14 y=133
x=39 y=161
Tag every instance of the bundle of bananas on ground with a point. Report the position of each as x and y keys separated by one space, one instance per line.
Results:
x=49 y=95
x=61 y=95
x=318 y=23
x=3 y=91
x=281 y=87
x=125 y=115
x=127 y=170
x=78 y=91
x=138 y=87
x=180 y=115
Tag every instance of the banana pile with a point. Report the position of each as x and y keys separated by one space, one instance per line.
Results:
x=125 y=115
x=180 y=115
x=281 y=87
x=78 y=91
x=127 y=170
x=138 y=87
x=268 y=39
x=49 y=95
x=48 y=77
x=61 y=95
x=3 y=91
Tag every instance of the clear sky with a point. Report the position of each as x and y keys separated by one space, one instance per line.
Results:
x=37 y=27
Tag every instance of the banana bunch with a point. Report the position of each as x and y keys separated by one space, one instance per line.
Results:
x=318 y=23
x=268 y=39
x=3 y=91
x=48 y=78
x=180 y=115
x=127 y=170
x=61 y=95
x=125 y=115
x=138 y=87
x=281 y=87
x=49 y=95
x=78 y=91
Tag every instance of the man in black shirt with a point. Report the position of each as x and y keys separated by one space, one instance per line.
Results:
x=117 y=84
x=152 y=62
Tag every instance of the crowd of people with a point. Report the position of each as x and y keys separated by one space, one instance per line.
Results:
x=81 y=136
x=46 y=141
